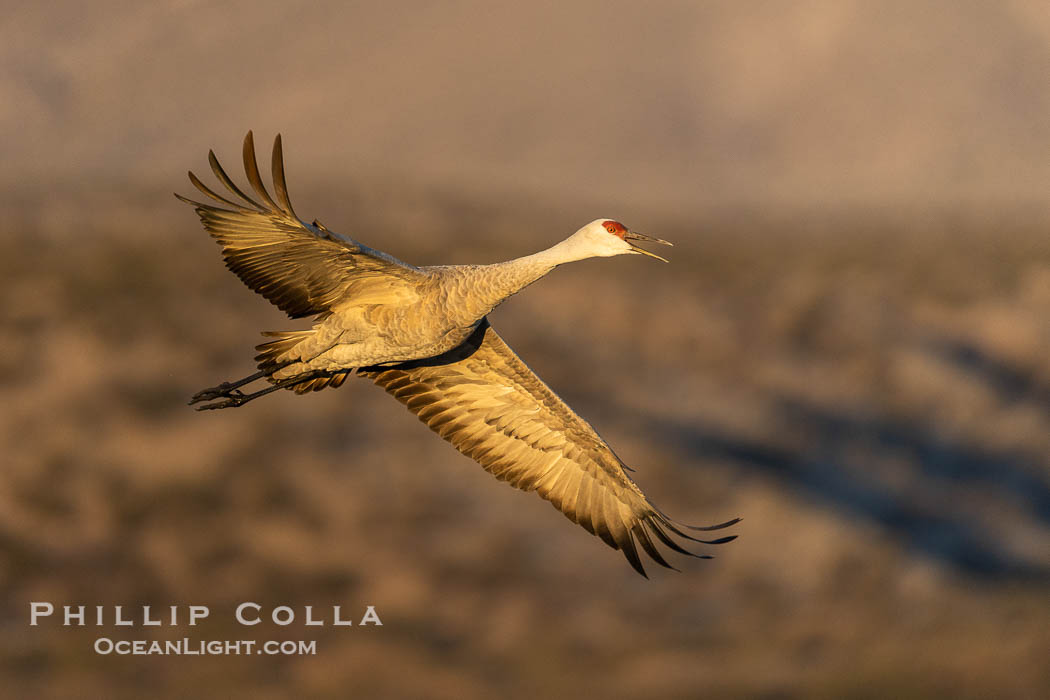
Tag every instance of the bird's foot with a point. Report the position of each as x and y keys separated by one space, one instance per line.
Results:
x=227 y=394
x=230 y=398
x=225 y=390
x=215 y=392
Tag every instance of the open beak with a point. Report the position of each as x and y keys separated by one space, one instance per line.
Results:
x=635 y=236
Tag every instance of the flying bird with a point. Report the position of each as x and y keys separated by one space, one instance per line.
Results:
x=421 y=333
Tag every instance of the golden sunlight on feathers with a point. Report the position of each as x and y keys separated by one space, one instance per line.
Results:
x=423 y=336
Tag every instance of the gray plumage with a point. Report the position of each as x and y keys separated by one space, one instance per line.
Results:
x=421 y=333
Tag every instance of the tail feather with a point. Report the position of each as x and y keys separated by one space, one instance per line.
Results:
x=269 y=357
x=317 y=383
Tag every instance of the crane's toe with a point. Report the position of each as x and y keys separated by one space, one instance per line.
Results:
x=215 y=392
x=230 y=399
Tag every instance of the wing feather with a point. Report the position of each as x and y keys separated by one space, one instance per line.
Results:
x=251 y=169
x=280 y=186
x=303 y=269
x=485 y=401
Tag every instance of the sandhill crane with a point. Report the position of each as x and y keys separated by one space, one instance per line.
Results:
x=421 y=333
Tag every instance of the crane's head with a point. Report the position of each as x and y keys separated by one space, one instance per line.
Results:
x=607 y=237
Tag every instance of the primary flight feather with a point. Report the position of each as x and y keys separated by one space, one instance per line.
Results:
x=421 y=333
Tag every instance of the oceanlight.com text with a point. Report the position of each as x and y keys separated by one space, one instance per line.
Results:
x=214 y=647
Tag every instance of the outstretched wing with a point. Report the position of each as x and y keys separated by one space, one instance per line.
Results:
x=301 y=268
x=483 y=399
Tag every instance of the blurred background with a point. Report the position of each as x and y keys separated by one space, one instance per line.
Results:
x=848 y=349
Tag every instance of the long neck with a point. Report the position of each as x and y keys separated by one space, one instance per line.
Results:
x=490 y=285
x=569 y=250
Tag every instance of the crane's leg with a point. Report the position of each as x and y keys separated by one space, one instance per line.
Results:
x=231 y=397
x=224 y=389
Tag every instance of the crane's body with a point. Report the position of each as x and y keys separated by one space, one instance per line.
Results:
x=422 y=334
x=435 y=313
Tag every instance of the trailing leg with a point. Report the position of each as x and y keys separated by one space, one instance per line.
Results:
x=232 y=397
x=224 y=389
